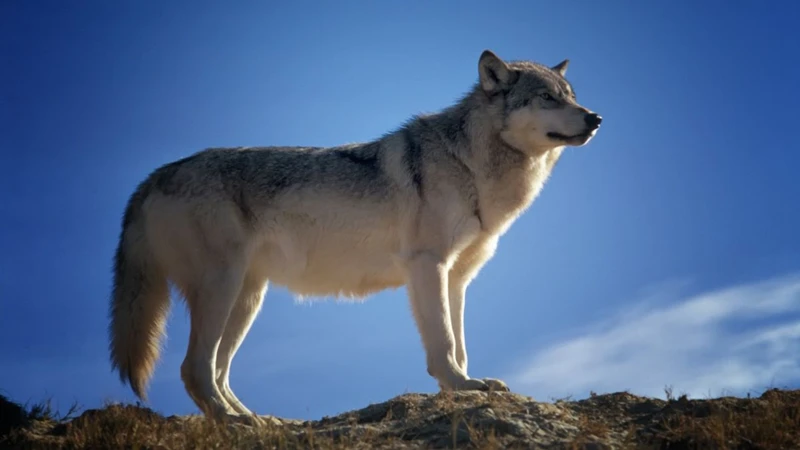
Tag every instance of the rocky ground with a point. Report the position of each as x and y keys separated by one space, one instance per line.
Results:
x=445 y=420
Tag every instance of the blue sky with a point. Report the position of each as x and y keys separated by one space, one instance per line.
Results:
x=663 y=253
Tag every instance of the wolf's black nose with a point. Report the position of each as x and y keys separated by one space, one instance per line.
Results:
x=593 y=120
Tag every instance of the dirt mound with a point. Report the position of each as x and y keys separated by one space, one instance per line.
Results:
x=445 y=420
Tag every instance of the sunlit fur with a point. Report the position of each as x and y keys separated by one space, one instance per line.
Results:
x=422 y=207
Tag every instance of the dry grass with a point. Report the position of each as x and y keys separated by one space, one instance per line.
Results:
x=445 y=420
x=590 y=431
x=769 y=422
x=126 y=426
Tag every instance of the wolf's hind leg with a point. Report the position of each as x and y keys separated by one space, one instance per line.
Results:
x=239 y=322
x=210 y=304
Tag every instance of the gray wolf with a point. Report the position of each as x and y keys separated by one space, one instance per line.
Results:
x=423 y=207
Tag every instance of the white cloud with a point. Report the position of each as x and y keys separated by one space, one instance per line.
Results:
x=742 y=338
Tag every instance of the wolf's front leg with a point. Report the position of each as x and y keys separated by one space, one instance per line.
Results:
x=427 y=291
x=456 y=297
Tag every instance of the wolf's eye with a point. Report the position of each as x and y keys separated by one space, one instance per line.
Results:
x=546 y=96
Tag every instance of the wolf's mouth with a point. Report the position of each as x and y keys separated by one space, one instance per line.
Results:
x=564 y=137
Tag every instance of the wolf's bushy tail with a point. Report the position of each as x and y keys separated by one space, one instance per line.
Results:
x=139 y=302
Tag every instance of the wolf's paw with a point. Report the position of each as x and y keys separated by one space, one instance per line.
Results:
x=471 y=384
x=481 y=384
x=251 y=420
x=493 y=384
x=270 y=420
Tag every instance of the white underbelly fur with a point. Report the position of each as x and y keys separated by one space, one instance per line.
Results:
x=344 y=263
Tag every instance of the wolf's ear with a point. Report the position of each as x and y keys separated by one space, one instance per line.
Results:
x=495 y=75
x=561 y=67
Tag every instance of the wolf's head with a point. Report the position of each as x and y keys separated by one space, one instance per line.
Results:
x=539 y=107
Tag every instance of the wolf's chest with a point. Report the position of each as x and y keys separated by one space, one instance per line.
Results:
x=504 y=199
